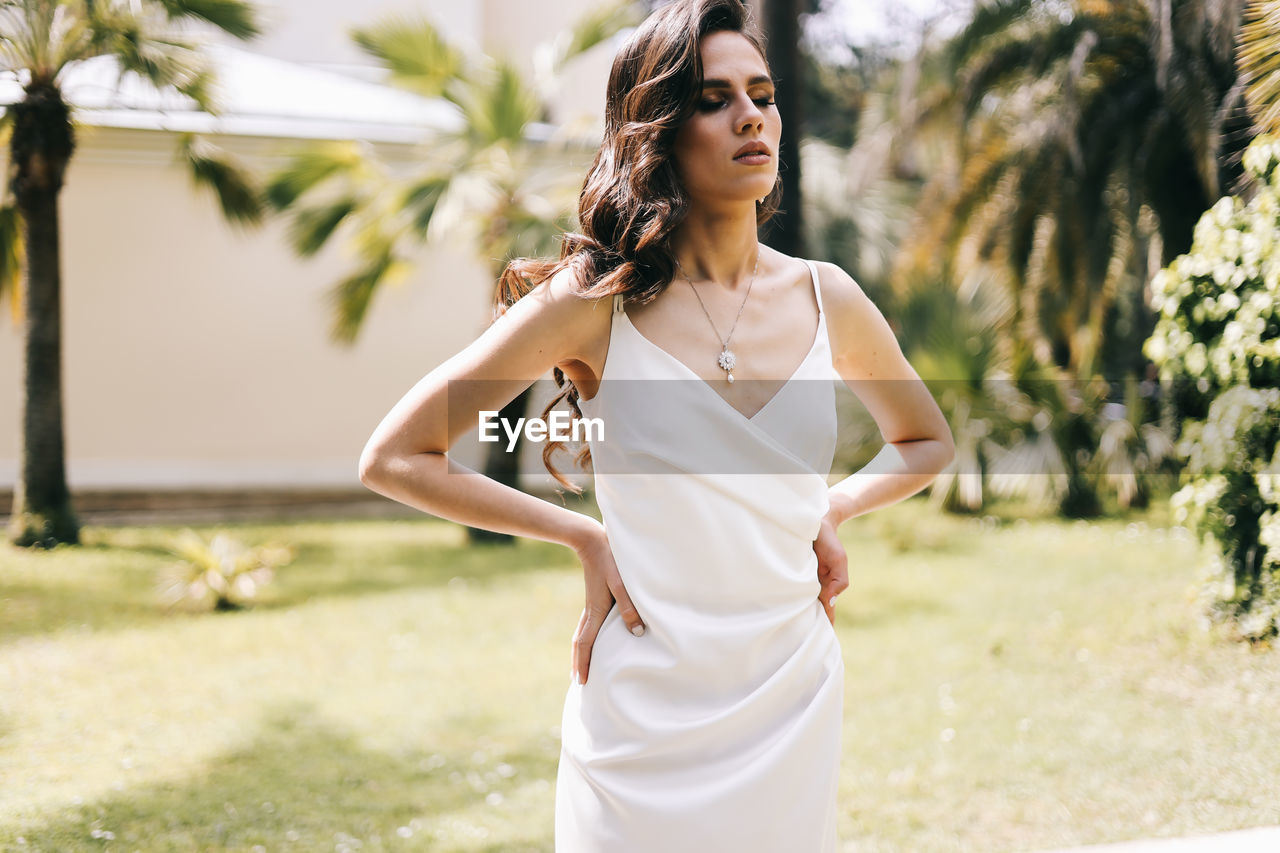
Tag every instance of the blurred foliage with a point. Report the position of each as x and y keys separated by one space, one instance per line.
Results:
x=1086 y=138
x=503 y=180
x=1259 y=62
x=1027 y=425
x=1219 y=334
x=221 y=573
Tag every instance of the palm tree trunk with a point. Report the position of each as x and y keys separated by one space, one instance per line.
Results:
x=503 y=466
x=40 y=148
x=782 y=26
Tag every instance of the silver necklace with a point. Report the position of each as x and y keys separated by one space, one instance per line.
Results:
x=727 y=359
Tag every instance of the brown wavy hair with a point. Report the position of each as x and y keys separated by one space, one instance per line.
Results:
x=632 y=200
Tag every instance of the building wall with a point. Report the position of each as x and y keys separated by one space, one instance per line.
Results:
x=198 y=354
x=316 y=32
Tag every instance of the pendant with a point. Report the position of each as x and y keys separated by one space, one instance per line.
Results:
x=727 y=360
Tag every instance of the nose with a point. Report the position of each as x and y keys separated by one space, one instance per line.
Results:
x=752 y=117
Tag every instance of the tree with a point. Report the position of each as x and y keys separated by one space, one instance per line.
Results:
x=1085 y=135
x=786 y=61
x=39 y=40
x=498 y=182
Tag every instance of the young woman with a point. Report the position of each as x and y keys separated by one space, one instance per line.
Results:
x=706 y=706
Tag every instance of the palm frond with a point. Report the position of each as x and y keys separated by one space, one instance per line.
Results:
x=351 y=297
x=421 y=199
x=163 y=59
x=70 y=38
x=1019 y=56
x=312 y=227
x=1033 y=469
x=1259 y=62
x=596 y=27
x=502 y=108
x=212 y=168
x=234 y=17
x=311 y=167
x=414 y=52
x=42 y=38
x=989 y=19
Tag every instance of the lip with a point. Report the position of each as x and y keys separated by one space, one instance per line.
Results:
x=753 y=152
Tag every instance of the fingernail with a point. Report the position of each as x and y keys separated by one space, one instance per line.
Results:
x=638 y=630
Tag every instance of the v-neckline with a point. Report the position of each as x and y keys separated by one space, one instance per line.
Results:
x=817 y=336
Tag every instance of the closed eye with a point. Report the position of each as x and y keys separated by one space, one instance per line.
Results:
x=711 y=106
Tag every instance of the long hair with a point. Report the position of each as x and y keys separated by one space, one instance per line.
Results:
x=632 y=200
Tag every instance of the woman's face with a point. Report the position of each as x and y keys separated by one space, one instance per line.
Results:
x=736 y=110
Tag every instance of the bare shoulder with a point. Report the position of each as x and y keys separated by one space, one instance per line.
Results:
x=840 y=293
x=863 y=345
x=551 y=324
x=561 y=298
x=563 y=324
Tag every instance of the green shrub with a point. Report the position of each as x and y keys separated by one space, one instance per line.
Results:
x=1217 y=338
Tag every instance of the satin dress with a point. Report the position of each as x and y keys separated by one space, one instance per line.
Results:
x=720 y=728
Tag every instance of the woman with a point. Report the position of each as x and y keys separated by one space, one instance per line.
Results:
x=713 y=723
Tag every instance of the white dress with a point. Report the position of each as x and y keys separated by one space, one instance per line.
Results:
x=719 y=729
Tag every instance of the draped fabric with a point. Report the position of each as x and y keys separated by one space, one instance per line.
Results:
x=719 y=729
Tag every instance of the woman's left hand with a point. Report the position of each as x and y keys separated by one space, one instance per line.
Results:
x=833 y=567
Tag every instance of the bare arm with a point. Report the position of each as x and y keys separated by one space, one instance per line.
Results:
x=918 y=441
x=406 y=457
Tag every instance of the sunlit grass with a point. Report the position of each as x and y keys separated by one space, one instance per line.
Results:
x=1010 y=685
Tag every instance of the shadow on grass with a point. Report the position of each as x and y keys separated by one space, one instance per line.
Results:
x=31 y=609
x=112 y=583
x=304 y=785
x=323 y=571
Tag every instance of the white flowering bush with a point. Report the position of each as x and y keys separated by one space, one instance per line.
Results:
x=1217 y=336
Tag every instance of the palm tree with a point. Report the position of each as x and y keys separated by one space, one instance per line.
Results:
x=504 y=181
x=39 y=41
x=1085 y=141
x=1089 y=138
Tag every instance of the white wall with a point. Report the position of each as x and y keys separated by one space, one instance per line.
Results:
x=315 y=31
x=195 y=354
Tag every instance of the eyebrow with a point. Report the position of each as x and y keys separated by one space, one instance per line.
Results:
x=725 y=84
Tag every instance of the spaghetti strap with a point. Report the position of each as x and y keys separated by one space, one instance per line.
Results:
x=817 y=291
x=617 y=303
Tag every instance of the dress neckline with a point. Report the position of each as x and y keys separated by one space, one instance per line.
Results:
x=817 y=338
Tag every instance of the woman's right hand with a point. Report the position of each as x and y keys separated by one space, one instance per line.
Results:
x=603 y=587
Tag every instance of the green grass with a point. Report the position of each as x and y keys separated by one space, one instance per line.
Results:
x=1011 y=684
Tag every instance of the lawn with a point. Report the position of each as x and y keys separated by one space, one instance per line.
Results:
x=1011 y=684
